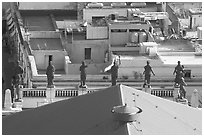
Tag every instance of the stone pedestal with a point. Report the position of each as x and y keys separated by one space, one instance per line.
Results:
x=148 y=89
x=50 y=86
x=82 y=90
x=50 y=94
x=176 y=93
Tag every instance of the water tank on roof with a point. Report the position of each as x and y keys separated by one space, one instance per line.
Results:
x=118 y=4
x=134 y=37
x=138 y=4
x=95 y=5
x=142 y=37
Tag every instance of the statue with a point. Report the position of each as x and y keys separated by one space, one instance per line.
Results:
x=114 y=73
x=147 y=72
x=50 y=75
x=179 y=73
x=83 y=74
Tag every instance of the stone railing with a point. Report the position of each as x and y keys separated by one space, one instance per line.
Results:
x=66 y=93
x=58 y=92
x=33 y=93
x=37 y=97
x=163 y=92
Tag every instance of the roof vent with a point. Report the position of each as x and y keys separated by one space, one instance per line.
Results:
x=125 y=113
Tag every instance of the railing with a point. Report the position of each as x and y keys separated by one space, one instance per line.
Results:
x=162 y=92
x=66 y=93
x=34 y=93
x=58 y=92
x=33 y=98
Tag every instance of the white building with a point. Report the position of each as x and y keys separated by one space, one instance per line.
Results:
x=195 y=18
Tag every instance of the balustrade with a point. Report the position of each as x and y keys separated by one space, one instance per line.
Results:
x=34 y=93
x=58 y=93
x=162 y=92
x=66 y=93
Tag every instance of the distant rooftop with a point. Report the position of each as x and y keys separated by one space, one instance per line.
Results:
x=196 y=11
x=47 y=5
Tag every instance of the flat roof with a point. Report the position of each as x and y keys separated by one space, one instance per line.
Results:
x=46 y=44
x=185 y=60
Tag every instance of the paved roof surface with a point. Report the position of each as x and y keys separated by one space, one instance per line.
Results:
x=91 y=114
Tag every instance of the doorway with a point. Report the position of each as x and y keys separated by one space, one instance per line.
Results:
x=47 y=59
x=87 y=53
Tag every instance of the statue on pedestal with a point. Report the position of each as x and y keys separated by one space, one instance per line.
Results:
x=50 y=75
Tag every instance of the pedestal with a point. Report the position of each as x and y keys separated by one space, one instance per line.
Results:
x=50 y=86
x=176 y=93
x=50 y=94
x=148 y=89
x=82 y=90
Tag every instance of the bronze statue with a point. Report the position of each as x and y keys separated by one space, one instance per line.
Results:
x=50 y=74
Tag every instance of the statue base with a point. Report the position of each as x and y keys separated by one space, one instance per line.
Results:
x=50 y=86
x=82 y=86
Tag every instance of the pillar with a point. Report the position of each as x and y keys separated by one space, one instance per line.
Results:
x=194 y=99
x=8 y=102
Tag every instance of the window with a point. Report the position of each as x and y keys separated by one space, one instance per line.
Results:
x=87 y=53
